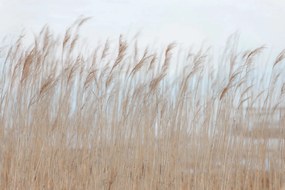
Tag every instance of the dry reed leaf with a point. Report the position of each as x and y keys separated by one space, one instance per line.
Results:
x=72 y=69
x=283 y=89
x=121 y=52
x=240 y=83
x=90 y=77
x=279 y=58
x=249 y=55
x=46 y=39
x=167 y=56
x=136 y=50
x=106 y=49
x=139 y=90
x=199 y=59
x=275 y=80
x=242 y=101
x=184 y=85
x=276 y=106
x=48 y=84
x=109 y=80
x=233 y=62
x=66 y=39
x=234 y=75
x=83 y=21
x=256 y=98
x=139 y=65
x=246 y=90
x=73 y=43
x=27 y=64
x=225 y=90
x=151 y=64
x=154 y=83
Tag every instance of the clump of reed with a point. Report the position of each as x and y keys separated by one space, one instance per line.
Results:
x=121 y=116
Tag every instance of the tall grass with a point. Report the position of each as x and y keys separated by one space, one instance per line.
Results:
x=117 y=116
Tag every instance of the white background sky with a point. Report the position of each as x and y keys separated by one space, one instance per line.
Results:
x=187 y=21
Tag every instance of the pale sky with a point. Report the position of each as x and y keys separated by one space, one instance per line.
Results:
x=185 y=21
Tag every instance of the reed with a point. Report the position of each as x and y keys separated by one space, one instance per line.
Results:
x=115 y=118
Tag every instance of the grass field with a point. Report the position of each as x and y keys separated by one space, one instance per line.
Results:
x=117 y=115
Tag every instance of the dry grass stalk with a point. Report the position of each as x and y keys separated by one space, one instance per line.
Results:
x=71 y=120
